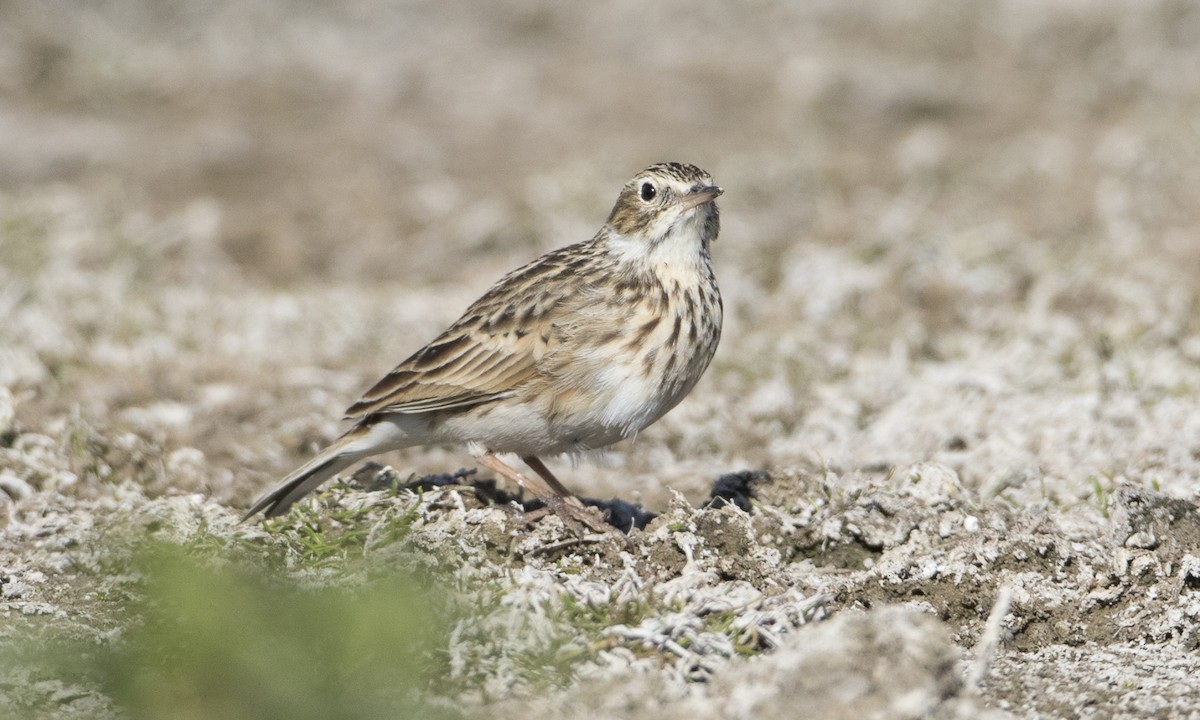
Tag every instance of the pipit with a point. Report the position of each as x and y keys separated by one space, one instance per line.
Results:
x=582 y=347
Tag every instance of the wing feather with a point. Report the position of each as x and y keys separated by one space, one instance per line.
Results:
x=486 y=371
x=494 y=349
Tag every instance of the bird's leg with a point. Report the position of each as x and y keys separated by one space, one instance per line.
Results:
x=559 y=489
x=528 y=484
x=537 y=489
x=573 y=504
x=574 y=516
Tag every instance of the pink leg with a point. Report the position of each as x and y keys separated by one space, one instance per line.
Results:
x=572 y=512
x=559 y=489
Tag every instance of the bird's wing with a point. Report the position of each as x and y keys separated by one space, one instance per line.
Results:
x=494 y=349
x=458 y=370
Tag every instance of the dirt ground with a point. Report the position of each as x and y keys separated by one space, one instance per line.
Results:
x=954 y=413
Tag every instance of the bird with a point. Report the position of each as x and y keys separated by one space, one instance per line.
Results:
x=581 y=348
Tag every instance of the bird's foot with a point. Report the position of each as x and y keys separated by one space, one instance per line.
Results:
x=576 y=516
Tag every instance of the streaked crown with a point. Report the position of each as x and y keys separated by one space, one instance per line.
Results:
x=662 y=194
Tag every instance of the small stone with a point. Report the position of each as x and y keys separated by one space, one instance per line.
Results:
x=1144 y=540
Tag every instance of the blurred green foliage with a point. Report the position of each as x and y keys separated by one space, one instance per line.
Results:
x=211 y=640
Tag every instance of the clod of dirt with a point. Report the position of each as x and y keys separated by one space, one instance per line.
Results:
x=736 y=488
x=1146 y=520
x=892 y=662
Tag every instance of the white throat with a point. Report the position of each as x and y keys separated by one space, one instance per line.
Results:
x=677 y=243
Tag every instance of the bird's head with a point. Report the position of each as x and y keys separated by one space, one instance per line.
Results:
x=667 y=200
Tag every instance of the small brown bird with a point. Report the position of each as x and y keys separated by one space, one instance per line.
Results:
x=580 y=348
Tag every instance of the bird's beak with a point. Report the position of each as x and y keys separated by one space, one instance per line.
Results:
x=699 y=195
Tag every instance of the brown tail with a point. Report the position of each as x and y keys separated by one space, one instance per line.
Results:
x=343 y=453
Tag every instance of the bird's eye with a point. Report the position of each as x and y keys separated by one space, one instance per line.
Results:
x=648 y=192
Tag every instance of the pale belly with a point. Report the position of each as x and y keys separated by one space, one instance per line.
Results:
x=599 y=392
x=527 y=429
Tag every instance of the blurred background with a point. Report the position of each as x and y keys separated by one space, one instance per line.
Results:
x=955 y=231
x=374 y=140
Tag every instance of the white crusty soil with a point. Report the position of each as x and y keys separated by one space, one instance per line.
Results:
x=961 y=267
